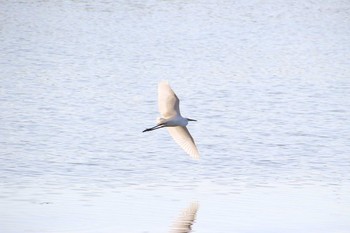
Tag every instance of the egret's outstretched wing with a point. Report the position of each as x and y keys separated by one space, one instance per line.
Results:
x=182 y=137
x=186 y=219
x=168 y=102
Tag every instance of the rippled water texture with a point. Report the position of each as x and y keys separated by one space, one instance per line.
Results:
x=268 y=82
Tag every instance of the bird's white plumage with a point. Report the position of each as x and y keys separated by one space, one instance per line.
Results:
x=182 y=137
x=168 y=105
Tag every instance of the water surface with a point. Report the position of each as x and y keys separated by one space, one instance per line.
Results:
x=268 y=83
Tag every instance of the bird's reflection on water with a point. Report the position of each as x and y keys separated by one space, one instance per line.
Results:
x=184 y=222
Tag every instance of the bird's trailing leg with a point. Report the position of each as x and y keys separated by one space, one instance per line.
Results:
x=155 y=127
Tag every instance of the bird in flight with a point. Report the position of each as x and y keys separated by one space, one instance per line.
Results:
x=169 y=109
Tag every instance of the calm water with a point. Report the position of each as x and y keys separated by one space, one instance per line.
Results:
x=268 y=83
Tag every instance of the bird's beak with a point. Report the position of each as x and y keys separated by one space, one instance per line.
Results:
x=191 y=119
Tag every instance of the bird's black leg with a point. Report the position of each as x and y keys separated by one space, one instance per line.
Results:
x=153 y=128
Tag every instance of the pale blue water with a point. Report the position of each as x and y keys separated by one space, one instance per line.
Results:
x=268 y=83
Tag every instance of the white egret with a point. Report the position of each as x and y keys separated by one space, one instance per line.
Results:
x=169 y=109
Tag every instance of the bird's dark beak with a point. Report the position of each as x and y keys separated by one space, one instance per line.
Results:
x=191 y=119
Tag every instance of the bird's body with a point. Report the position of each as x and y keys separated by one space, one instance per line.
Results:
x=174 y=121
x=169 y=108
